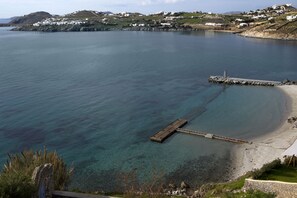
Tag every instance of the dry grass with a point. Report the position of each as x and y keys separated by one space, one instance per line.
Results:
x=28 y=160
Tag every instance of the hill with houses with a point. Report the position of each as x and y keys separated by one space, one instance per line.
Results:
x=278 y=21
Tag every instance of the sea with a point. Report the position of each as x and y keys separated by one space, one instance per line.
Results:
x=97 y=97
x=5 y=20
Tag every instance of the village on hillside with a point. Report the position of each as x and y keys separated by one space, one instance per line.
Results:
x=274 y=22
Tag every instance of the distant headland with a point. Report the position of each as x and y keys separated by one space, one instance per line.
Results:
x=276 y=22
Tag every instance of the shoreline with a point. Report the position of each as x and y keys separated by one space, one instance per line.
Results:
x=268 y=147
x=240 y=33
x=265 y=35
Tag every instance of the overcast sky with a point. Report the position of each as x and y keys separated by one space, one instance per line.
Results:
x=9 y=8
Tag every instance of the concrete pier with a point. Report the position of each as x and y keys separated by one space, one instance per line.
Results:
x=211 y=136
x=242 y=81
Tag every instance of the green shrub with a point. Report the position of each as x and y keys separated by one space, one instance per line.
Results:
x=16 y=185
x=25 y=163
x=256 y=174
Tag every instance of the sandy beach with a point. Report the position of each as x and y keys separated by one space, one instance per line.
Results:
x=266 y=148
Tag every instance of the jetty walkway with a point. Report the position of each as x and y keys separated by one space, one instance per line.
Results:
x=242 y=81
x=175 y=126
x=211 y=136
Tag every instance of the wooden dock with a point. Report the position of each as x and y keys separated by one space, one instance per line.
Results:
x=211 y=136
x=242 y=81
x=175 y=126
x=168 y=131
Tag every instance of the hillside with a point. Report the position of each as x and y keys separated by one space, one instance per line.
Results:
x=277 y=22
x=30 y=18
x=282 y=27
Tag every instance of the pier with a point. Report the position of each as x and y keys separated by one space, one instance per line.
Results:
x=175 y=126
x=168 y=131
x=211 y=136
x=241 y=81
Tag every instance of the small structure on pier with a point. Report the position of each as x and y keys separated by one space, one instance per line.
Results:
x=225 y=74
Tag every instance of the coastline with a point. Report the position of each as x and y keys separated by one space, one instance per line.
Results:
x=268 y=147
x=240 y=33
x=268 y=35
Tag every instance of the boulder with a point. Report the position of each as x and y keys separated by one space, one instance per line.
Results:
x=292 y=120
x=184 y=185
x=172 y=186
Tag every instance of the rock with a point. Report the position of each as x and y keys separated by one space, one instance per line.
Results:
x=184 y=185
x=295 y=125
x=172 y=186
x=292 y=120
x=196 y=193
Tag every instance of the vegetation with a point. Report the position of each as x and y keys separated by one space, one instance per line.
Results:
x=234 y=188
x=15 y=178
x=257 y=174
x=282 y=173
x=16 y=185
x=222 y=189
x=286 y=172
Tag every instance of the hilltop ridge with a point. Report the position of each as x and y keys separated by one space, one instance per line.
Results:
x=30 y=18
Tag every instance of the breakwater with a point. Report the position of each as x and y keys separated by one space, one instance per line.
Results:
x=242 y=81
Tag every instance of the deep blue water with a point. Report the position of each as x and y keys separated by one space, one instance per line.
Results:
x=97 y=97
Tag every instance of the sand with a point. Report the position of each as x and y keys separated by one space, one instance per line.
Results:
x=271 y=146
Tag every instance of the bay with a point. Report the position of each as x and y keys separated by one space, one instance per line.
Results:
x=97 y=97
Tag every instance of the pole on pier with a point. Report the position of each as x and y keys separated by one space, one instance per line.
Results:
x=225 y=74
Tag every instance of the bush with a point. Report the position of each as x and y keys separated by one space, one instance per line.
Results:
x=256 y=174
x=16 y=185
x=291 y=161
x=25 y=163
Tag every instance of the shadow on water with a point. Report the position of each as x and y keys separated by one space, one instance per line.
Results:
x=196 y=172
x=203 y=170
x=196 y=112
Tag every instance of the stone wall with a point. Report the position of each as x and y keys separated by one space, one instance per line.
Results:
x=281 y=189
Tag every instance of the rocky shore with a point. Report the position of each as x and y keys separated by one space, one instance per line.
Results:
x=268 y=35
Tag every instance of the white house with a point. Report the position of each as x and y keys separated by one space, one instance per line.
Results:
x=291 y=17
x=242 y=25
x=214 y=24
x=166 y=24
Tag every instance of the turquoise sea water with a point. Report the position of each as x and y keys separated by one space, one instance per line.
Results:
x=97 y=97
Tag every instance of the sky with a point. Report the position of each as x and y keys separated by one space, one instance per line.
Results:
x=10 y=8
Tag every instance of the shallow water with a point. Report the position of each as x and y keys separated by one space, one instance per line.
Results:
x=97 y=97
